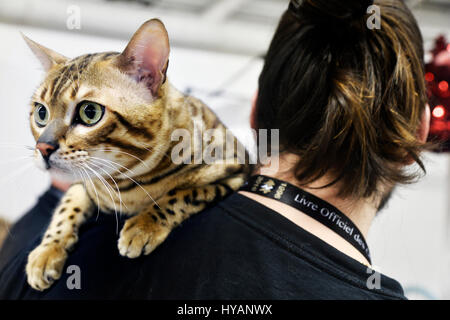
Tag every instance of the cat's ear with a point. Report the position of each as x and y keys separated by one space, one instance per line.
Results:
x=146 y=56
x=47 y=57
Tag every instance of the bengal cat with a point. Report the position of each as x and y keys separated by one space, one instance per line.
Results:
x=104 y=122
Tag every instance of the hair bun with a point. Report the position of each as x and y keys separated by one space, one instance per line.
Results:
x=337 y=9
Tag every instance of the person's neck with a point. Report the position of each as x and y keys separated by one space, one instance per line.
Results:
x=361 y=212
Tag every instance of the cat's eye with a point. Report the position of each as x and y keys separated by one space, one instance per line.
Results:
x=89 y=113
x=41 y=115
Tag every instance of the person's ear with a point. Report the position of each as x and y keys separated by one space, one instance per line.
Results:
x=424 y=127
x=253 y=124
x=47 y=57
x=423 y=130
x=146 y=56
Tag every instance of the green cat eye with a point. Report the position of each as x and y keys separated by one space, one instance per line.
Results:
x=41 y=115
x=90 y=113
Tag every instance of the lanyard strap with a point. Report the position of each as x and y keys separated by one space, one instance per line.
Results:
x=311 y=205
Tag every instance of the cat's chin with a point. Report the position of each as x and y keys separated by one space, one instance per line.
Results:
x=59 y=174
x=63 y=176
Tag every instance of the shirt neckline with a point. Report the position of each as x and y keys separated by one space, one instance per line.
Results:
x=301 y=242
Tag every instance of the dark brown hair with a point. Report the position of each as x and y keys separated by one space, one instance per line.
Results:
x=347 y=99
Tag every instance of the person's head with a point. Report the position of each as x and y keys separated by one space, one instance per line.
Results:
x=349 y=101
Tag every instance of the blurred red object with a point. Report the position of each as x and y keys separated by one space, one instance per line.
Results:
x=437 y=76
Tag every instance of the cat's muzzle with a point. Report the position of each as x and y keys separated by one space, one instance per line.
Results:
x=46 y=149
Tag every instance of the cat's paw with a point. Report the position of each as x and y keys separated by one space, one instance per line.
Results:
x=45 y=264
x=141 y=235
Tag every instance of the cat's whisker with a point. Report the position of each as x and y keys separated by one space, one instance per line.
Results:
x=76 y=172
x=119 y=151
x=117 y=193
x=88 y=178
x=139 y=185
x=115 y=183
x=13 y=146
x=103 y=180
x=113 y=162
x=79 y=176
x=134 y=181
x=95 y=189
x=105 y=183
x=111 y=165
x=84 y=178
x=152 y=149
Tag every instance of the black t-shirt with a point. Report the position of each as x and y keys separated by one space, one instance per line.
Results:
x=237 y=249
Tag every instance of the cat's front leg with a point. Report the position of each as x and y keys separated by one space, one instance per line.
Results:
x=46 y=261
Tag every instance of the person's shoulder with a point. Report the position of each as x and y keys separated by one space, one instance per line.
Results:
x=235 y=249
x=190 y=253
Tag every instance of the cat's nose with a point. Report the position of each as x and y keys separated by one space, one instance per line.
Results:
x=46 y=149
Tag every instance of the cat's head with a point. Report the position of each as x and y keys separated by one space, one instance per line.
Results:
x=103 y=111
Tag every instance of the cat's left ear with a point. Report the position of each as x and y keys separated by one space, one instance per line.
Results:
x=146 y=56
x=47 y=57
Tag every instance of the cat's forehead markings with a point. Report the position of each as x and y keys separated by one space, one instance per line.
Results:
x=61 y=82
x=68 y=77
x=42 y=93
